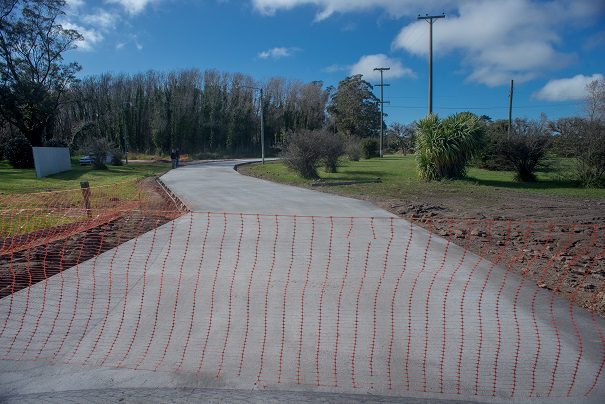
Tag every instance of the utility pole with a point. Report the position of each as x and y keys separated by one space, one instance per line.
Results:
x=430 y=19
x=262 y=127
x=381 y=85
x=262 y=122
x=510 y=108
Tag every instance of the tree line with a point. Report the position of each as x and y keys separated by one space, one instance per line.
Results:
x=195 y=111
x=44 y=103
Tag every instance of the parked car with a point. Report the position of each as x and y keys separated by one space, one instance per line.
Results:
x=86 y=160
x=89 y=160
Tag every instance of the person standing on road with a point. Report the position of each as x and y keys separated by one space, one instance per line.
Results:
x=174 y=158
x=178 y=157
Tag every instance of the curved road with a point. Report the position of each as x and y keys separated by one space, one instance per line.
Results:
x=299 y=295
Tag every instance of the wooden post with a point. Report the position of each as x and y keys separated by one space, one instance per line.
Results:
x=86 y=195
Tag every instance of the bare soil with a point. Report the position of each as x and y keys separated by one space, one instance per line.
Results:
x=558 y=243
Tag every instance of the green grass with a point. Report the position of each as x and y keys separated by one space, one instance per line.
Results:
x=25 y=181
x=398 y=175
x=22 y=219
x=26 y=224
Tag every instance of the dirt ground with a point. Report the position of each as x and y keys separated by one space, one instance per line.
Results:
x=26 y=267
x=556 y=242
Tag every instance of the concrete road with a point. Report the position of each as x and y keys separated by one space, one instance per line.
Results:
x=216 y=187
x=265 y=287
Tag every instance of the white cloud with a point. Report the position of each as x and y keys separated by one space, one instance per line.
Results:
x=132 y=6
x=395 y=8
x=366 y=64
x=278 y=53
x=102 y=19
x=98 y=22
x=74 y=4
x=93 y=27
x=499 y=41
x=336 y=68
x=570 y=89
x=91 y=36
x=400 y=8
x=496 y=40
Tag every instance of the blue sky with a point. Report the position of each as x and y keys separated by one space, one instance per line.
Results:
x=550 y=48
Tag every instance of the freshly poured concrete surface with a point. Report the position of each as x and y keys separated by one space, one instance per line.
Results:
x=215 y=187
x=140 y=317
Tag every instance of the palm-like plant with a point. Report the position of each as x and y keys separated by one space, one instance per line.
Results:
x=444 y=147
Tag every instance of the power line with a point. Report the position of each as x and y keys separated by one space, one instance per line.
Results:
x=504 y=107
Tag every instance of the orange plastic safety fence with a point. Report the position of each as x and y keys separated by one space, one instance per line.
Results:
x=388 y=305
x=27 y=220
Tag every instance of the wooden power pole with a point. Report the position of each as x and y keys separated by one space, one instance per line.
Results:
x=510 y=108
x=430 y=19
x=382 y=85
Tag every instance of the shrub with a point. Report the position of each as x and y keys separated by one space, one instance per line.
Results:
x=584 y=141
x=117 y=157
x=302 y=152
x=353 y=149
x=369 y=148
x=4 y=137
x=332 y=149
x=98 y=149
x=18 y=152
x=525 y=148
x=401 y=138
x=444 y=148
x=568 y=136
x=491 y=157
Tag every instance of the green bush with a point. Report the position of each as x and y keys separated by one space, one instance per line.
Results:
x=491 y=157
x=302 y=152
x=117 y=157
x=305 y=150
x=525 y=148
x=99 y=149
x=369 y=148
x=589 y=170
x=332 y=149
x=584 y=141
x=353 y=149
x=444 y=147
x=18 y=152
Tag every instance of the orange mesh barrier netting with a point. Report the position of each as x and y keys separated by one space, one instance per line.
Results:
x=31 y=219
x=387 y=305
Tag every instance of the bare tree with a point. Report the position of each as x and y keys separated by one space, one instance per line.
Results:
x=401 y=137
x=595 y=100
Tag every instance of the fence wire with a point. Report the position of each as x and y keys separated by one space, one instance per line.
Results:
x=388 y=305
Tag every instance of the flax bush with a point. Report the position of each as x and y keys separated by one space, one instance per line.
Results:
x=444 y=147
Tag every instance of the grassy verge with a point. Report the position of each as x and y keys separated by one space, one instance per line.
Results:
x=26 y=209
x=398 y=177
x=25 y=181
